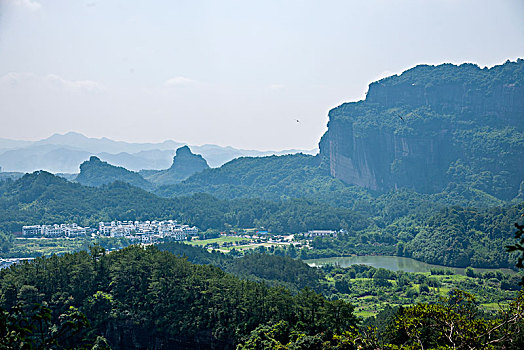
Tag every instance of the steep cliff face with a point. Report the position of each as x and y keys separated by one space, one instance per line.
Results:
x=457 y=90
x=413 y=130
x=380 y=160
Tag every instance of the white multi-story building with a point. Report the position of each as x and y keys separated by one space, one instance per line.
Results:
x=320 y=233
x=33 y=230
x=190 y=230
x=53 y=231
x=142 y=229
x=103 y=229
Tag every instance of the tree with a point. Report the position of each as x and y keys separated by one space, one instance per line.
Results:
x=32 y=328
x=455 y=323
x=6 y=242
x=518 y=247
x=470 y=272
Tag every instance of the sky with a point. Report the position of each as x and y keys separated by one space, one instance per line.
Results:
x=233 y=73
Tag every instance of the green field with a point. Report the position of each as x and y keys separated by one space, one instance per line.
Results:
x=220 y=241
x=226 y=243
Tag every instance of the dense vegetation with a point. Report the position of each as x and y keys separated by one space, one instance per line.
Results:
x=273 y=178
x=139 y=297
x=148 y=298
x=369 y=288
x=398 y=223
x=453 y=236
x=270 y=269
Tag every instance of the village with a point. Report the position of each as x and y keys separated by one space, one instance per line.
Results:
x=139 y=231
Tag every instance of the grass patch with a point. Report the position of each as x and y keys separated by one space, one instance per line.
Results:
x=220 y=240
x=364 y=313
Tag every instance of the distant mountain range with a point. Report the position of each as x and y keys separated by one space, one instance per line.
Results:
x=63 y=153
x=432 y=129
x=95 y=172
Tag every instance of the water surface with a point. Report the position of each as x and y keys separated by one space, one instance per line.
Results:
x=394 y=263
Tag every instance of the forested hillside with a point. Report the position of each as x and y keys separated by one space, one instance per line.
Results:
x=271 y=178
x=138 y=298
x=453 y=236
x=141 y=297
x=271 y=269
x=45 y=199
x=397 y=223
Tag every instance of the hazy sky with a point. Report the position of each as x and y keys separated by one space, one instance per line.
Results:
x=229 y=72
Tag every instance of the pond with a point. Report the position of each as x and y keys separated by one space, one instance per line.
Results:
x=394 y=263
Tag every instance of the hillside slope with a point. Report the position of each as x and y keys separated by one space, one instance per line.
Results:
x=96 y=173
x=42 y=198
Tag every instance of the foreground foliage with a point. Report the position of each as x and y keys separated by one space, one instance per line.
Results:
x=140 y=297
x=147 y=298
x=453 y=323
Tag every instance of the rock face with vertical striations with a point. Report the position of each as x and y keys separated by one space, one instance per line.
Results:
x=432 y=127
x=185 y=164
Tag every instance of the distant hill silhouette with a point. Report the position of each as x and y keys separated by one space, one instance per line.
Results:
x=63 y=153
x=185 y=164
x=96 y=173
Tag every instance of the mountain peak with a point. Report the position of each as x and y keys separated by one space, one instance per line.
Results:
x=95 y=172
x=186 y=161
x=184 y=150
x=73 y=133
x=185 y=164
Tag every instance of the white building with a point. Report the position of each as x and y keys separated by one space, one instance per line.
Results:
x=321 y=233
x=34 y=230
x=54 y=231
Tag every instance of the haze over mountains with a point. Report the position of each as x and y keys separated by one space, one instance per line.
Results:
x=432 y=129
x=95 y=172
x=63 y=153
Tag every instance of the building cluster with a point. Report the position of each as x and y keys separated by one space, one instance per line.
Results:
x=145 y=231
x=53 y=231
x=320 y=233
x=161 y=229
